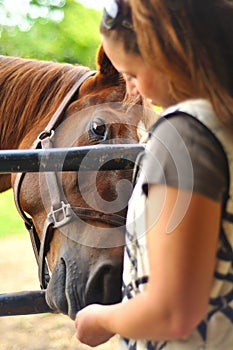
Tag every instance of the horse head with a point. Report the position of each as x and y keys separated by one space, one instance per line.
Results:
x=83 y=248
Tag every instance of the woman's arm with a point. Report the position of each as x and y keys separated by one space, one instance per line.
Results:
x=182 y=245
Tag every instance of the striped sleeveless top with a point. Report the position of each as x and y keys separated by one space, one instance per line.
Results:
x=215 y=332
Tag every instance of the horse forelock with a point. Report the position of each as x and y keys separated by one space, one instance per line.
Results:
x=30 y=92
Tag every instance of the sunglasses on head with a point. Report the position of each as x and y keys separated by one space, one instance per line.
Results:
x=113 y=16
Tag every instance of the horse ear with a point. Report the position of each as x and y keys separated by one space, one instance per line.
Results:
x=104 y=65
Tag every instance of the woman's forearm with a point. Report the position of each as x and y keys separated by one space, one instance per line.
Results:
x=146 y=316
x=139 y=318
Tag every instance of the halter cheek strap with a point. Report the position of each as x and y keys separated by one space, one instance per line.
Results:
x=40 y=247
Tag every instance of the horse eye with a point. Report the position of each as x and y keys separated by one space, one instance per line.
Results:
x=98 y=127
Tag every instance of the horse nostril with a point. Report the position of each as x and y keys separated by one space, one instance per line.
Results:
x=104 y=284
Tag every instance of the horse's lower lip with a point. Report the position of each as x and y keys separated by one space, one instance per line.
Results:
x=55 y=295
x=63 y=305
x=73 y=304
x=72 y=314
x=57 y=302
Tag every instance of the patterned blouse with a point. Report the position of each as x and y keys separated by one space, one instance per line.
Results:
x=184 y=148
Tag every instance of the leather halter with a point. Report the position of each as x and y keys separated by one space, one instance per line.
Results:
x=61 y=212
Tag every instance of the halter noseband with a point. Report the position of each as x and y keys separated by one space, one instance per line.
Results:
x=61 y=212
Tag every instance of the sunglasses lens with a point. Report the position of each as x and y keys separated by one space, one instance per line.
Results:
x=112 y=8
x=113 y=16
x=110 y=15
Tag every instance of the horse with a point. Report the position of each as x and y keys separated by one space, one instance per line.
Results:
x=79 y=249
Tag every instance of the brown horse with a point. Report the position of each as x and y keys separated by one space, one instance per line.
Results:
x=84 y=252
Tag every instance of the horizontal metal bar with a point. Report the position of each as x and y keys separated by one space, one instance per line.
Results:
x=97 y=157
x=23 y=303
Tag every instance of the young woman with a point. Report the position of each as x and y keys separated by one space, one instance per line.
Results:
x=178 y=268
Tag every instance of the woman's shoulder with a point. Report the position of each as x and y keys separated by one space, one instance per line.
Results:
x=193 y=120
x=185 y=121
x=198 y=108
x=180 y=139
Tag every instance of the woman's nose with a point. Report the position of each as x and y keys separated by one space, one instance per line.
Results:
x=131 y=88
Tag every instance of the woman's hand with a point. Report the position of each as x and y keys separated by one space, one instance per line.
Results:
x=88 y=328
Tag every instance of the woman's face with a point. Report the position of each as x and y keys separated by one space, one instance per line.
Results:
x=139 y=77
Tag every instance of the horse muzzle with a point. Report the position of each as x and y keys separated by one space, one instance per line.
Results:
x=72 y=287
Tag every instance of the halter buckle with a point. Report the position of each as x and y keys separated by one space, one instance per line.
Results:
x=60 y=216
x=45 y=134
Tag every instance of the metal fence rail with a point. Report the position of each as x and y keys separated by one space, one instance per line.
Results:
x=103 y=157
x=23 y=303
x=100 y=157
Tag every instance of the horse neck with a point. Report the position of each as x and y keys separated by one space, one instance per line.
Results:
x=30 y=92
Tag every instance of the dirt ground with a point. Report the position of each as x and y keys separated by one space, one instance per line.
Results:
x=18 y=272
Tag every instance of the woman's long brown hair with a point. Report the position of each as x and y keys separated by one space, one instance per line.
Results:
x=191 y=41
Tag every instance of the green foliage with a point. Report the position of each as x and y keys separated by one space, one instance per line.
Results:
x=10 y=220
x=68 y=33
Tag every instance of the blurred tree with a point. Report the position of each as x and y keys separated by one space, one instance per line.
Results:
x=58 y=30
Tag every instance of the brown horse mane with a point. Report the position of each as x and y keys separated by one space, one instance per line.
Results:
x=31 y=90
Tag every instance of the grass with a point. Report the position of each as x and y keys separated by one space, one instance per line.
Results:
x=10 y=220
